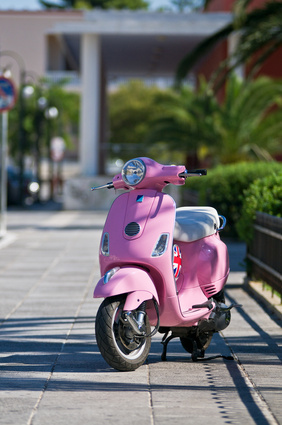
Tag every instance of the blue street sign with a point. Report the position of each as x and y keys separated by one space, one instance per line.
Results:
x=7 y=94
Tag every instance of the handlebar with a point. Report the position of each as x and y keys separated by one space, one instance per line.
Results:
x=185 y=174
x=104 y=186
x=191 y=173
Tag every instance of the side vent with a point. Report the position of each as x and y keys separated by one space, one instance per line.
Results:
x=132 y=229
x=209 y=290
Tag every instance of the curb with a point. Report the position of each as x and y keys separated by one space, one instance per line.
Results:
x=264 y=296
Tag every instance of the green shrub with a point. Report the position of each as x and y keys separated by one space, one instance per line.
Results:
x=223 y=188
x=264 y=195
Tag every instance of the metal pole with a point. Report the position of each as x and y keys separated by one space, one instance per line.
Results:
x=21 y=139
x=3 y=196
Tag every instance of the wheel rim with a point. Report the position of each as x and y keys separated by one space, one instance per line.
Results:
x=128 y=346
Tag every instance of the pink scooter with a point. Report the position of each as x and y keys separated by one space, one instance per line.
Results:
x=161 y=267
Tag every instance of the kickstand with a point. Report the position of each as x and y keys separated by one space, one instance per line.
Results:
x=196 y=352
x=165 y=341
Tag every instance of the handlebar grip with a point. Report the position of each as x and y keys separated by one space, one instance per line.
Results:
x=201 y=172
x=190 y=173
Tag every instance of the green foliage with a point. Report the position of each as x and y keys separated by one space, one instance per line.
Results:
x=260 y=32
x=188 y=125
x=185 y=122
x=264 y=195
x=224 y=188
x=91 y=4
x=36 y=129
x=246 y=125
x=187 y=5
x=249 y=120
x=132 y=109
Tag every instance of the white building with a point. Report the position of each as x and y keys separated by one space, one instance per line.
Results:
x=96 y=48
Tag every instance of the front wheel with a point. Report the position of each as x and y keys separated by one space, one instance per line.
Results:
x=117 y=343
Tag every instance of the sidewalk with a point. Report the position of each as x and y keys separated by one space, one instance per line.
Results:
x=52 y=372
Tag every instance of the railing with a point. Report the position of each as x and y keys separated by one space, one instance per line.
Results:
x=265 y=252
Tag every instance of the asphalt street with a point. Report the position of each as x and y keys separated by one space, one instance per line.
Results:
x=51 y=371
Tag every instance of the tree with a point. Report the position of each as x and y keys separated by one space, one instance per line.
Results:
x=35 y=122
x=183 y=5
x=90 y=4
x=185 y=124
x=132 y=108
x=247 y=125
x=249 y=120
x=260 y=32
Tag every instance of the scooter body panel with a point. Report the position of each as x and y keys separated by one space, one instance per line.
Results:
x=204 y=272
x=128 y=280
x=155 y=216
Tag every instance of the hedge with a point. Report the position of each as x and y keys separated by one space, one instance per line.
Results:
x=224 y=186
x=264 y=195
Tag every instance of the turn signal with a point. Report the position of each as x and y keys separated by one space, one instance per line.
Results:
x=161 y=245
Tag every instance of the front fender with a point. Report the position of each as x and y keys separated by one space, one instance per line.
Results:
x=128 y=280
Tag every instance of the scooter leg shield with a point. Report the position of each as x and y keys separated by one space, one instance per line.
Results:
x=128 y=280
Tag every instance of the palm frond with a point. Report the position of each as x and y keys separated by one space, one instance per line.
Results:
x=190 y=60
x=261 y=29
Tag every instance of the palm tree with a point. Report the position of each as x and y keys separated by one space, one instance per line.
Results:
x=250 y=119
x=260 y=32
x=247 y=125
x=185 y=124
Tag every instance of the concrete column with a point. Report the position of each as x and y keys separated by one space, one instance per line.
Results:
x=232 y=42
x=90 y=104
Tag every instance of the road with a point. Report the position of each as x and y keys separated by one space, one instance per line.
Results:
x=51 y=371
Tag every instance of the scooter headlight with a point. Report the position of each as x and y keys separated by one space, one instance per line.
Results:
x=133 y=172
x=110 y=274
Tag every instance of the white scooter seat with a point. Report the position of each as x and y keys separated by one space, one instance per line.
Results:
x=193 y=223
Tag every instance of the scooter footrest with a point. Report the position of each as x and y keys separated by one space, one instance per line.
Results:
x=208 y=304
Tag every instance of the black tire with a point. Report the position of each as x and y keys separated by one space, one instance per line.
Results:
x=116 y=342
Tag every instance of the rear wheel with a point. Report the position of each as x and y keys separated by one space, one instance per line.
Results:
x=197 y=345
x=219 y=297
x=117 y=343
